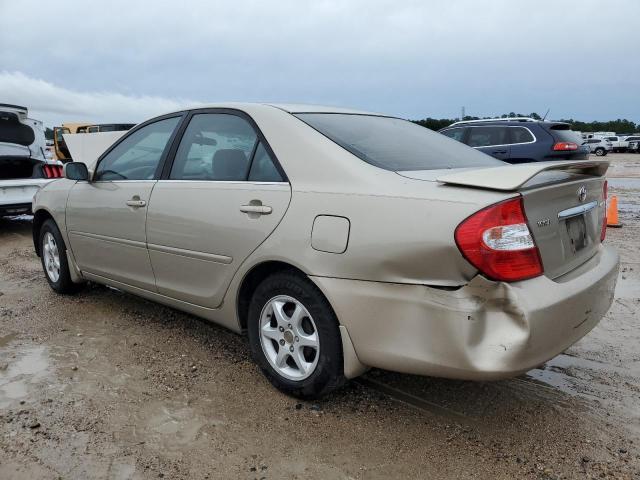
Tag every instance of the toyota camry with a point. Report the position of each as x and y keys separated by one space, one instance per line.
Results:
x=338 y=240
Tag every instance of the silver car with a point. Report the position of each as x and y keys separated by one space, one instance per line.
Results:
x=599 y=146
x=338 y=241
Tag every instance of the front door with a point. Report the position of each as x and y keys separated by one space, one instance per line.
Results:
x=106 y=217
x=222 y=198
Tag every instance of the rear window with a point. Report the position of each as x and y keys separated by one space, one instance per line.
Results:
x=562 y=133
x=394 y=144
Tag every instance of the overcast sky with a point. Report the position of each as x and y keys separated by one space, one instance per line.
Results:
x=128 y=60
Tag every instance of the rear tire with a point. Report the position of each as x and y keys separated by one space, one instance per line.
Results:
x=600 y=152
x=53 y=255
x=294 y=336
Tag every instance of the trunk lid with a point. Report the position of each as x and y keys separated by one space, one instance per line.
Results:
x=13 y=130
x=563 y=202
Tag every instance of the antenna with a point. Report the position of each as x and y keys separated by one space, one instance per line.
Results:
x=545 y=115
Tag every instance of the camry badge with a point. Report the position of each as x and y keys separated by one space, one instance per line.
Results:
x=545 y=222
x=582 y=193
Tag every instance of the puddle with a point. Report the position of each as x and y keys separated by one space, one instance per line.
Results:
x=167 y=425
x=568 y=373
x=180 y=424
x=4 y=341
x=20 y=369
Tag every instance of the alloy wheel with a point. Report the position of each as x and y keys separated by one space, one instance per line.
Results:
x=289 y=338
x=51 y=256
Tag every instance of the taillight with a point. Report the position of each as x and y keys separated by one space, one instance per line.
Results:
x=565 y=146
x=497 y=241
x=605 y=196
x=52 y=171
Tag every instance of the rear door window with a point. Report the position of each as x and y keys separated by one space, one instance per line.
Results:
x=263 y=168
x=487 y=136
x=215 y=146
x=521 y=135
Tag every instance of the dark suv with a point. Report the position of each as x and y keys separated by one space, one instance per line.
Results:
x=520 y=140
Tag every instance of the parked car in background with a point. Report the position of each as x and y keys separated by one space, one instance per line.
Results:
x=24 y=165
x=599 y=146
x=630 y=139
x=618 y=144
x=520 y=140
x=634 y=146
x=339 y=240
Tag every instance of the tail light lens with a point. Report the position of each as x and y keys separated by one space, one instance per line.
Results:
x=605 y=197
x=497 y=241
x=52 y=171
x=565 y=146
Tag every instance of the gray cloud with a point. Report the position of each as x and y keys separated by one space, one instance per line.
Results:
x=410 y=58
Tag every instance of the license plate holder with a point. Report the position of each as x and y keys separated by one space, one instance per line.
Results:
x=577 y=232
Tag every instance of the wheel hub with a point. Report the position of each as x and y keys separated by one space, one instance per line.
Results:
x=288 y=336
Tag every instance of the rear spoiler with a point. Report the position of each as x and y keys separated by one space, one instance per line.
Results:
x=509 y=178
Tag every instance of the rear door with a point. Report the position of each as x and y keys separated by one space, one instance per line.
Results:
x=491 y=139
x=220 y=198
x=106 y=217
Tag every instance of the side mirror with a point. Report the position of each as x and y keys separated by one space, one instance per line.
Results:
x=76 y=171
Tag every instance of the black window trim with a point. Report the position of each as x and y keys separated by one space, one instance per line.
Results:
x=165 y=152
x=175 y=143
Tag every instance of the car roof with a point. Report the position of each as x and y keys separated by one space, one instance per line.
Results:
x=287 y=107
x=520 y=121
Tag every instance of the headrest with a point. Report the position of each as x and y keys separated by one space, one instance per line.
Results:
x=230 y=164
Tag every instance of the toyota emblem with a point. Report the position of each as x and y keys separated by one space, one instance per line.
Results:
x=582 y=193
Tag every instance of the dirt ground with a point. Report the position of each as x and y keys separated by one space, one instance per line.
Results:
x=107 y=385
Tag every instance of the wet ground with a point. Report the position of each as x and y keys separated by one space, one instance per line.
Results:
x=106 y=385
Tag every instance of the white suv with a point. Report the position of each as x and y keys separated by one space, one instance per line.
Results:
x=599 y=146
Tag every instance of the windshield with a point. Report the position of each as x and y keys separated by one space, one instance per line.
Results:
x=395 y=144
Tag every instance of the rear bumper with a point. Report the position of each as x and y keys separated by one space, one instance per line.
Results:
x=16 y=194
x=482 y=331
x=15 y=209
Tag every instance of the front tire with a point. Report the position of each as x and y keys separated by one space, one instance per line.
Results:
x=53 y=255
x=294 y=336
x=600 y=152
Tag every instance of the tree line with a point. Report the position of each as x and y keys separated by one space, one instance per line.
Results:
x=619 y=126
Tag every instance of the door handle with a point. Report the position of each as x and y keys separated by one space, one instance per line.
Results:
x=136 y=203
x=259 y=209
x=499 y=151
